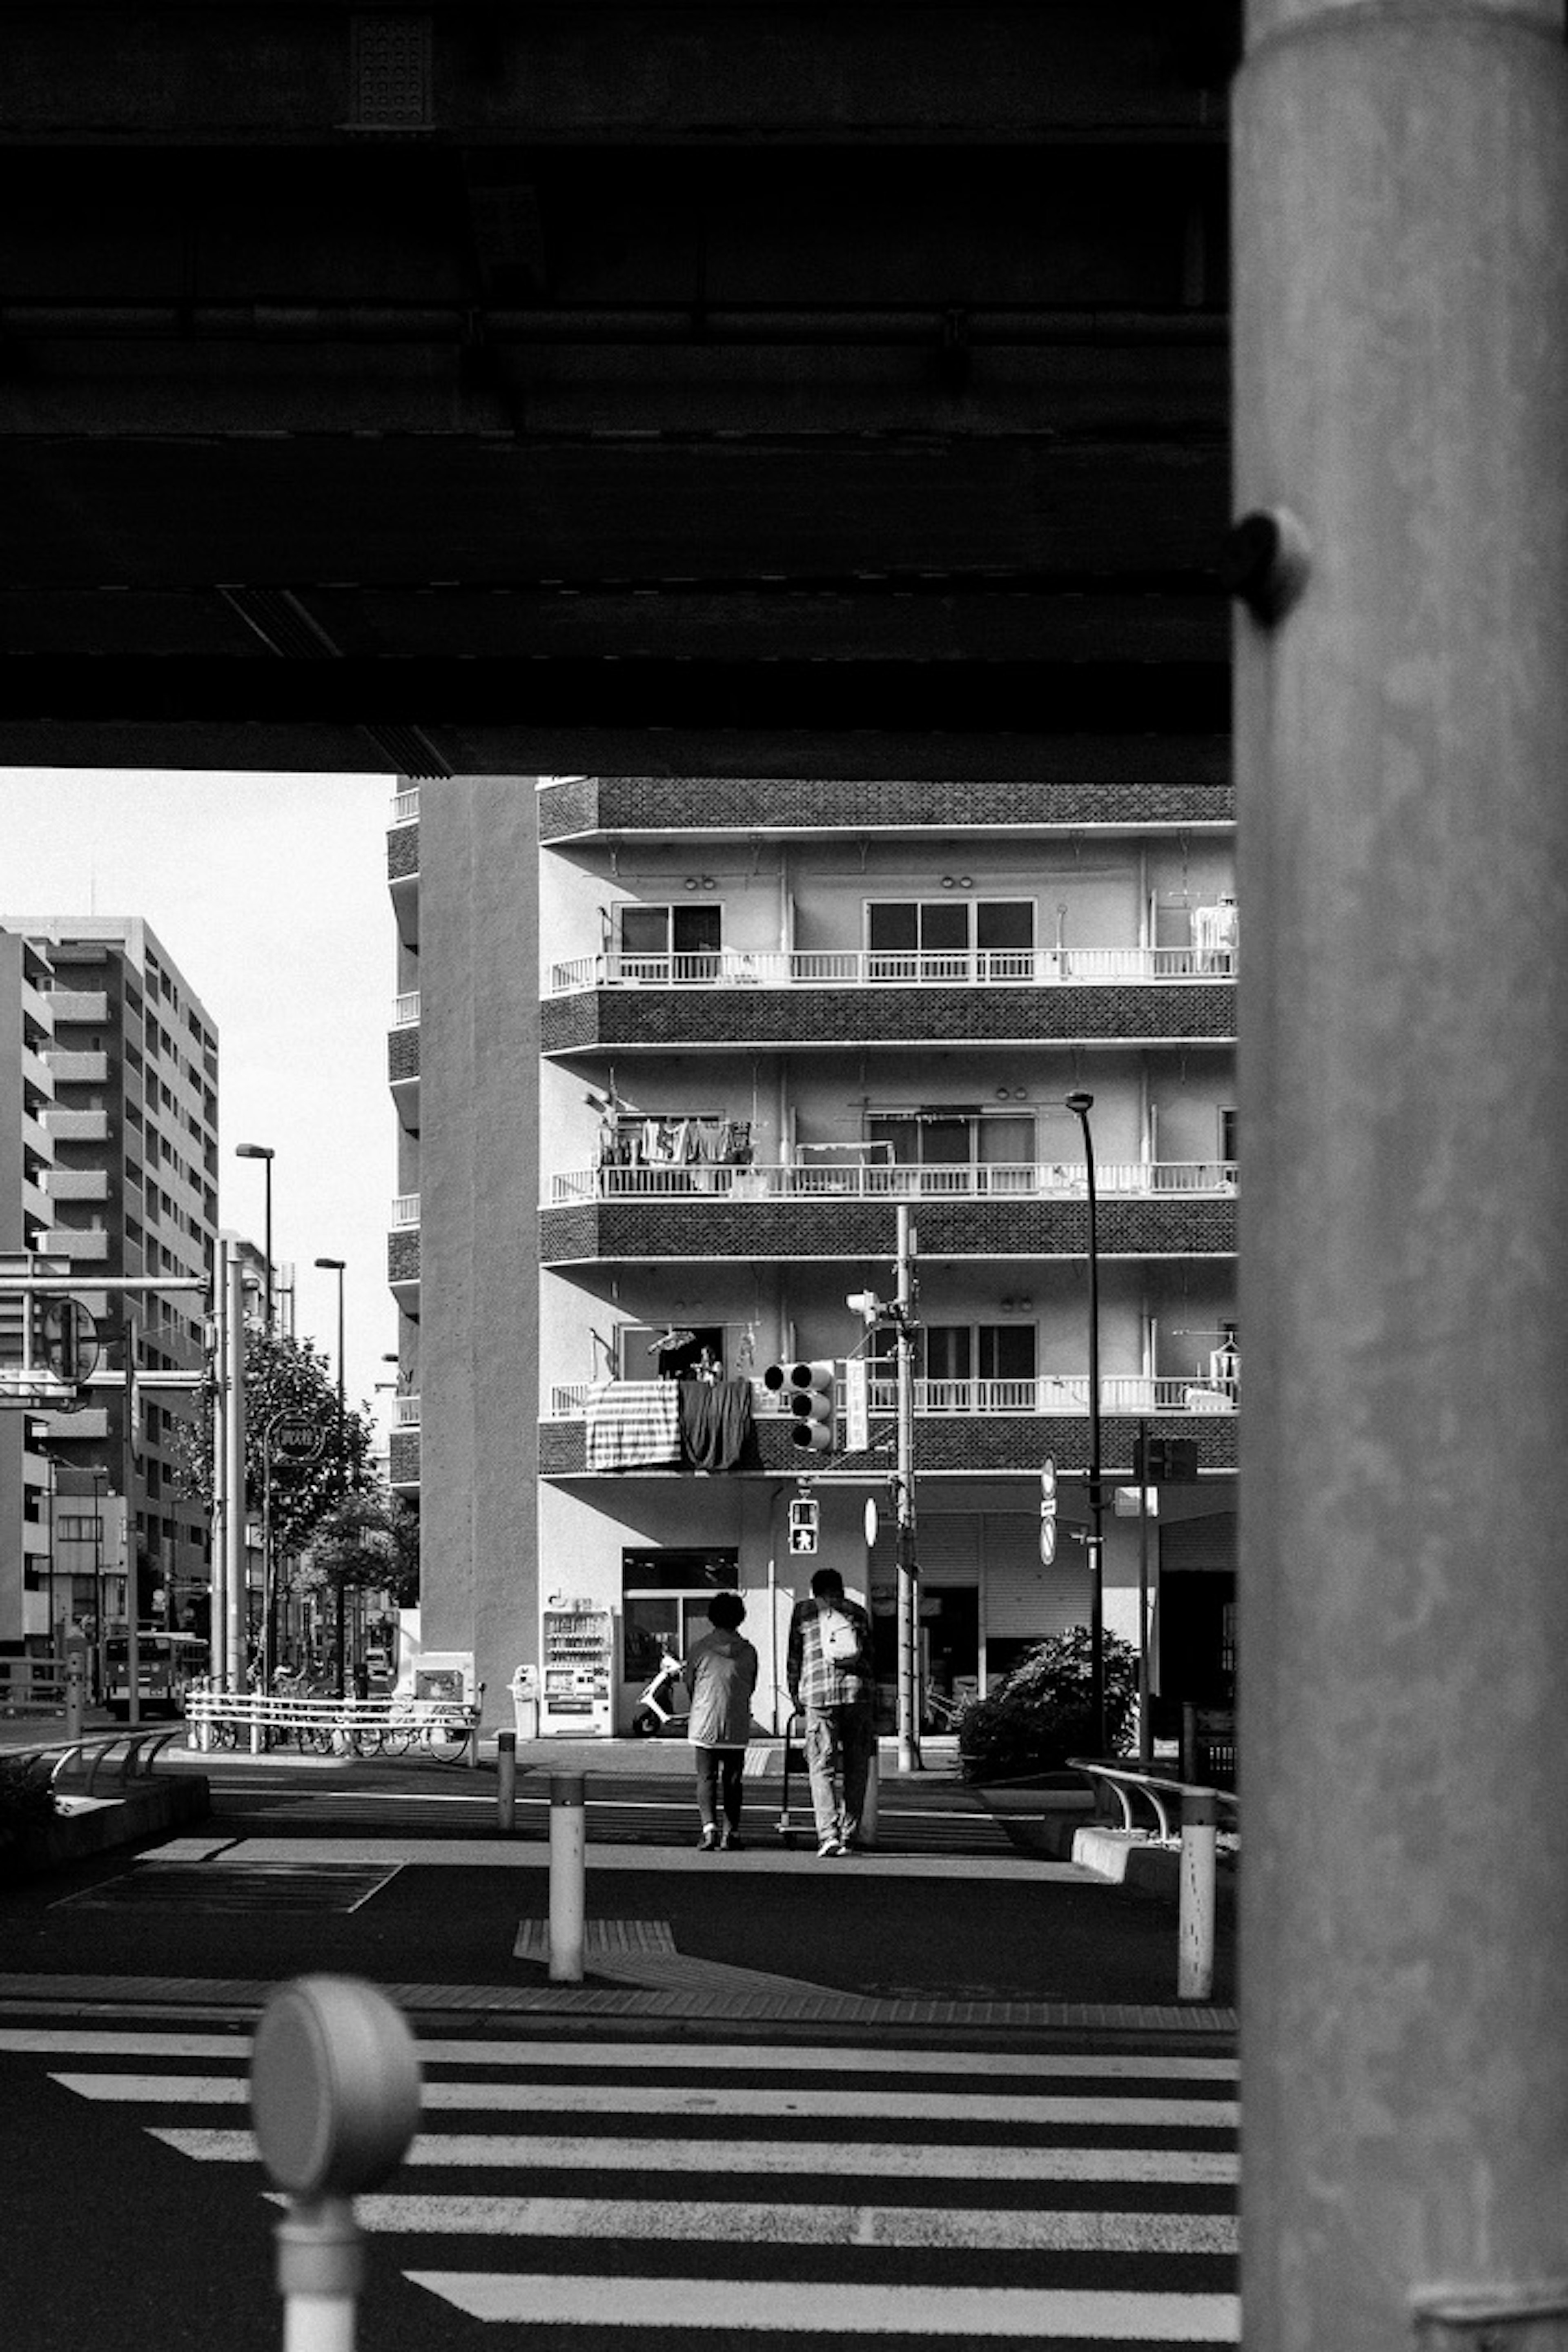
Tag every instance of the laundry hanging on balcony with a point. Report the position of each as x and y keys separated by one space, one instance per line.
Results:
x=634 y=1425
x=686 y=1141
x=715 y=1422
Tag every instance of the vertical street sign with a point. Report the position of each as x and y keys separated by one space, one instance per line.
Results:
x=856 y=1405
x=1047 y=1510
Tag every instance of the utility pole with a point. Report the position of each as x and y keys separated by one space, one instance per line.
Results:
x=235 y=1577
x=128 y=1522
x=899 y=1315
x=1401 y=560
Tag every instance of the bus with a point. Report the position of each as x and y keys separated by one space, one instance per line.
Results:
x=166 y=1664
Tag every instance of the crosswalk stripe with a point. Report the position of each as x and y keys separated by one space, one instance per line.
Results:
x=843 y=2310
x=1111 y=2066
x=899 y=2160
x=693 y=2221
x=595 y=2099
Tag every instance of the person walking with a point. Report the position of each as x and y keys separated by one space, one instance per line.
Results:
x=830 y=1681
x=720 y=1674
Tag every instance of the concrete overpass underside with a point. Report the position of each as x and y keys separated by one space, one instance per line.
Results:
x=735 y=386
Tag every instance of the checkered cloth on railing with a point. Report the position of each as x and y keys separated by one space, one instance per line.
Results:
x=633 y=1422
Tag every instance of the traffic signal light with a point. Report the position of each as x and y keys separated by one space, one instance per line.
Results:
x=808 y=1394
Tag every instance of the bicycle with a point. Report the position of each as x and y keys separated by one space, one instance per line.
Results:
x=446 y=1736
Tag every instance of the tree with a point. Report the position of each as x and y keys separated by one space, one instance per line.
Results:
x=371 y=1541
x=1043 y=1711
x=283 y=1375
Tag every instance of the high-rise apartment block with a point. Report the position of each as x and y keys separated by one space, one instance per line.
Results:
x=109 y=1073
x=654 y=1158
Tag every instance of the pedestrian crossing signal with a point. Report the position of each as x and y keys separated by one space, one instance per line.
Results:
x=804 y=1519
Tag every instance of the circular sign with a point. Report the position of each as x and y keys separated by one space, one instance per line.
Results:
x=297 y=1438
x=869 y=1521
x=1048 y=1480
x=334 y=2086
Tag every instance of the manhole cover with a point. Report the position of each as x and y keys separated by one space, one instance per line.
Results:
x=237 y=1886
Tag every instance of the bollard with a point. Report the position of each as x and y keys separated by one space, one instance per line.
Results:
x=567 y=1876
x=76 y=1684
x=506 y=1783
x=256 y=1737
x=873 y=1790
x=1196 y=1916
x=334 y=2098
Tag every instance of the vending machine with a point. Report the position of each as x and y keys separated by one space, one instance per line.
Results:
x=578 y=1649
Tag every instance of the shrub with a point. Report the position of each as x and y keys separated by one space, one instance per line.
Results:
x=1043 y=1712
x=26 y=1803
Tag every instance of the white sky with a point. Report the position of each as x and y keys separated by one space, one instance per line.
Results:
x=270 y=893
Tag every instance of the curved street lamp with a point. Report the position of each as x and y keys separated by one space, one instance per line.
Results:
x=1080 y=1104
x=264 y=1152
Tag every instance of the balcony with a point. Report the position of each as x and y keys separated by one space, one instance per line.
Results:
x=406 y=807
x=82 y=1248
x=405 y=1212
x=77 y=1125
x=1140 y=1395
x=1056 y=1180
x=1033 y=1209
x=406 y=1412
x=79 y=1004
x=69 y=1069
x=406 y=1011
x=77 y=1183
x=839 y=968
x=965 y=1427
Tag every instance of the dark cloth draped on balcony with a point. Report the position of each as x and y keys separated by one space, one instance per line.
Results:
x=715 y=1422
x=633 y=1424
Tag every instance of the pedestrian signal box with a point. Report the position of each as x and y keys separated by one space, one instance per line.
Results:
x=804 y=1521
x=1166 y=1461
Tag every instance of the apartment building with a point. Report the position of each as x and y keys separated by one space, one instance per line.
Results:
x=109 y=1075
x=768 y=1017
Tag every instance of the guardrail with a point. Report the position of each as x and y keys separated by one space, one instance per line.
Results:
x=443 y=1728
x=1196 y=1810
x=52 y=1760
x=32 y=1686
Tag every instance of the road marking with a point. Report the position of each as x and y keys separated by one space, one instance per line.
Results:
x=690 y=2221
x=893 y=2160
x=840 y=2310
x=109 y=2041
x=634 y=2099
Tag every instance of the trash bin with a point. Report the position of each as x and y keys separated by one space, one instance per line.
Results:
x=525 y=1702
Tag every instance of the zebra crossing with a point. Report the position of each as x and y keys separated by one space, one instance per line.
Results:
x=577 y=2192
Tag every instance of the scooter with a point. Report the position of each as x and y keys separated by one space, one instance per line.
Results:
x=661 y=1700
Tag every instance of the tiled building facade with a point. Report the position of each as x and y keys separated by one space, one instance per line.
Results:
x=109 y=1063
x=766 y=1016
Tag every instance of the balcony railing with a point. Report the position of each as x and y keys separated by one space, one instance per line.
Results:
x=404 y=1210
x=1044 y=1180
x=406 y=1011
x=879 y=968
x=406 y=807
x=406 y=1412
x=1140 y=1394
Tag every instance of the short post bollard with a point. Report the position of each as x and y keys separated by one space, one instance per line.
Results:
x=873 y=1791
x=506 y=1783
x=1196 y=1913
x=76 y=1684
x=334 y=2102
x=568 y=1870
x=257 y=1741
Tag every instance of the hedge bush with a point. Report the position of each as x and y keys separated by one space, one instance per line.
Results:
x=1043 y=1712
x=25 y=1803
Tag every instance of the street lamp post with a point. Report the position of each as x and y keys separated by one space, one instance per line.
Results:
x=264 y=1152
x=1080 y=1104
x=337 y=1266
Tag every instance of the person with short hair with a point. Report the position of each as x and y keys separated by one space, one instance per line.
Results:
x=831 y=1682
x=721 y=1673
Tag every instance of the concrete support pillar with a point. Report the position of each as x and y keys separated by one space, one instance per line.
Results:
x=1400 y=210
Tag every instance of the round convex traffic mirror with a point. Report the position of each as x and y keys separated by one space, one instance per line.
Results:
x=334 y=2086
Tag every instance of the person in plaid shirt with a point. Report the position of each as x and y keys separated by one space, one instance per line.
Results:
x=830 y=1683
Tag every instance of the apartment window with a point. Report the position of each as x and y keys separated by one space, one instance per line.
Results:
x=664 y=1602
x=950 y=939
x=958 y=1149
x=669 y=943
x=1227 y=1137
x=979 y=1367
